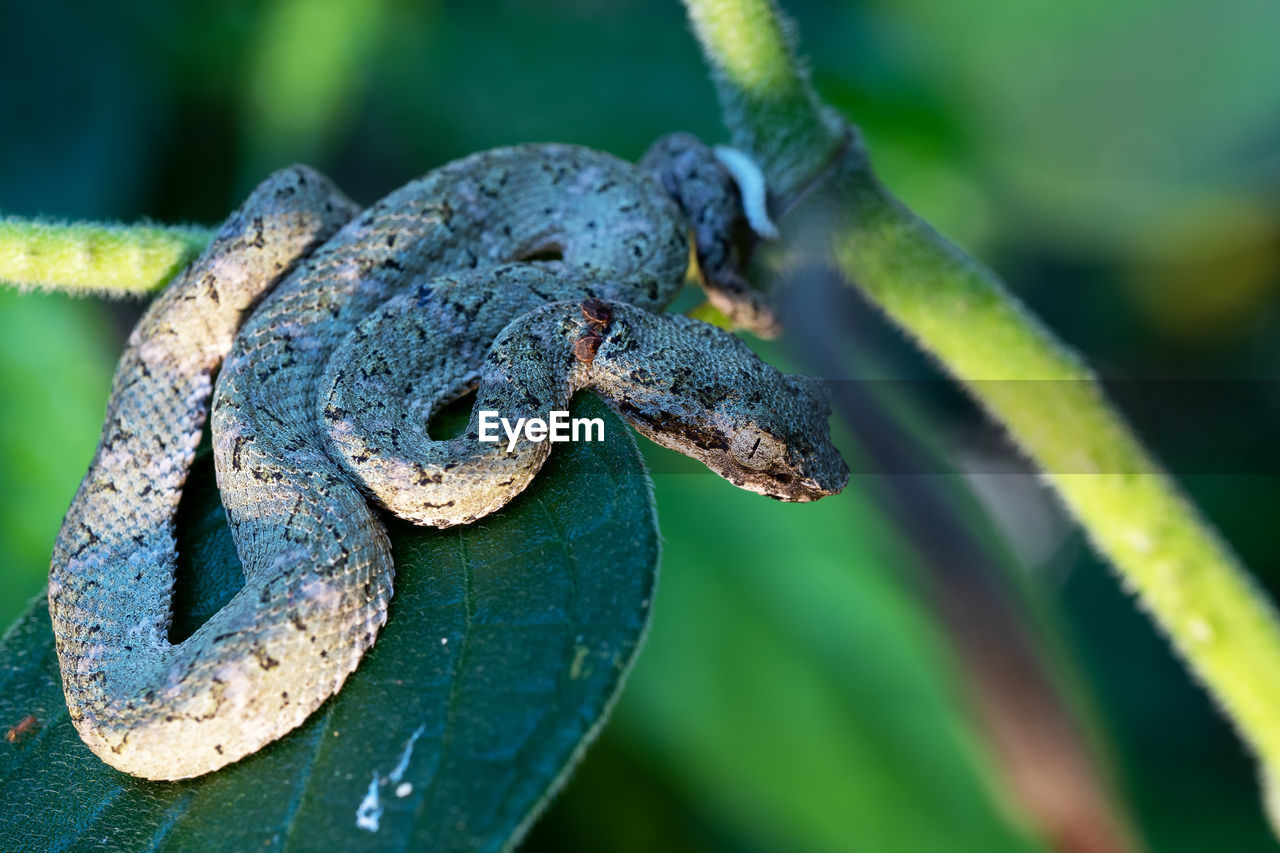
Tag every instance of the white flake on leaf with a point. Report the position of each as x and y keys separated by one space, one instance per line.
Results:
x=369 y=812
x=370 y=809
x=403 y=764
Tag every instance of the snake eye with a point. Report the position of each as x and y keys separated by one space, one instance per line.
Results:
x=754 y=448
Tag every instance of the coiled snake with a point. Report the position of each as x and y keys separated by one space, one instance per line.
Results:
x=530 y=272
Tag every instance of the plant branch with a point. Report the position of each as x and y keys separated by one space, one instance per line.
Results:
x=769 y=106
x=103 y=259
x=1028 y=381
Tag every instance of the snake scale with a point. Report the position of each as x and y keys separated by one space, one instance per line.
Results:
x=334 y=333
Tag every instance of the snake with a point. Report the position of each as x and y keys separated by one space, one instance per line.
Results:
x=316 y=339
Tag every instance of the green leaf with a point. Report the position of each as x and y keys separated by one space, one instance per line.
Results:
x=506 y=643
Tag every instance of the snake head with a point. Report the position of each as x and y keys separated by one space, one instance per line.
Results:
x=779 y=441
x=705 y=394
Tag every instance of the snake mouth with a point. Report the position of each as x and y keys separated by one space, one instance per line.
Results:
x=817 y=482
x=809 y=490
x=783 y=485
x=807 y=493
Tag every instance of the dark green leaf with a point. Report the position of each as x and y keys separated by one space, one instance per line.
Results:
x=506 y=642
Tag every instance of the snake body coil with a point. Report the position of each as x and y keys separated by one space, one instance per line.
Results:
x=529 y=272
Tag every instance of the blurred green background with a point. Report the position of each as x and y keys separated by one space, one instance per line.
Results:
x=825 y=677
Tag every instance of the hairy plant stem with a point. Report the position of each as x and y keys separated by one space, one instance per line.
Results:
x=770 y=108
x=1184 y=575
x=102 y=259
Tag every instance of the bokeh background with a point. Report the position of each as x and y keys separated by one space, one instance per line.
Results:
x=932 y=661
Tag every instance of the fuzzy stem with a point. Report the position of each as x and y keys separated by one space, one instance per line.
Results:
x=1029 y=382
x=1164 y=551
x=104 y=259
x=769 y=106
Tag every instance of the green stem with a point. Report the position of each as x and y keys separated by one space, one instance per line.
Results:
x=769 y=106
x=111 y=259
x=1048 y=400
x=1183 y=574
